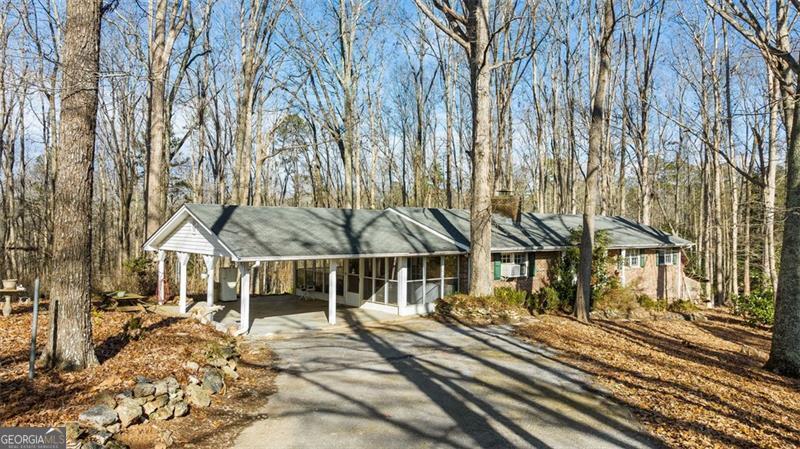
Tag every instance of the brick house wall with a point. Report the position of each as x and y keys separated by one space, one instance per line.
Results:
x=656 y=281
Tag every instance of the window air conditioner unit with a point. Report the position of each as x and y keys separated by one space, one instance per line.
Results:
x=510 y=270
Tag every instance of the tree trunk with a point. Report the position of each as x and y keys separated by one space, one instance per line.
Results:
x=481 y=207
x=584 y=291
x=72 y=240
x=784 y=357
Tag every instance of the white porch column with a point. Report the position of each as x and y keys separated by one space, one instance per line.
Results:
x=441 y=277
x=160 y=270
x=424 y=278
x=678 y=275
x=402 y=284
x=183 y=261
x=332 y=293
x=386 y=277
x=622 y=268
x=209 y=260
x=244 y=297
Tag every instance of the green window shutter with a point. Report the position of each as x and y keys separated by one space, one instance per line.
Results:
x=642 y=259
x=497 y=270
x=531 y=265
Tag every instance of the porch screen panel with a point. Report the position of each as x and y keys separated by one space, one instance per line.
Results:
x=391 y=283
x=450 y=275
x=433 y=278
x=352 y=275
x=366 y=294
x=415 y=294
x=379 y=278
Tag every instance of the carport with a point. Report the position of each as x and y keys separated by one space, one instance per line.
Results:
x=359 y=258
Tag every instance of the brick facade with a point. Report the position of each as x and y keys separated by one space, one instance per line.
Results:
x=656 y=281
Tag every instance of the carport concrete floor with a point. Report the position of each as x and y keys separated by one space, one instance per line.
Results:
x=287 y=314
x=422 y=384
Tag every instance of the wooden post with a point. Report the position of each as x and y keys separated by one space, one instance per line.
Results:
x=332 y=293
x=160 y=287
x=183 y=261
x=244 y=297
x=34 y=325
x=209 y=260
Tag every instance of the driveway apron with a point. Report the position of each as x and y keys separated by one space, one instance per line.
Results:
x=422 y=384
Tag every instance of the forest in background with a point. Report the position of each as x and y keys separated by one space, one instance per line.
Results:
x=365 y=104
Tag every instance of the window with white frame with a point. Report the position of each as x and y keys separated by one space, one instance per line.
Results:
x=634 y=258
x=668 y=257
x=513 y=265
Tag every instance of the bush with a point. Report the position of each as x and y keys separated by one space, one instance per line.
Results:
x=563 y=274
x=480 y=310
x=545 y=300
x=659 y=305
x=757 y=307
x=621 y=299
x=682 y=306
x=511 y=296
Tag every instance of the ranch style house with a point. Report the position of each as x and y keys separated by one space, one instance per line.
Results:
x=399 y=260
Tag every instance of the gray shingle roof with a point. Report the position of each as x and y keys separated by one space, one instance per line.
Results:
x=285 y=232
x=542 y=231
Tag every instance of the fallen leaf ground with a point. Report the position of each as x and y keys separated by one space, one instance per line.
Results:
x=167 y=343
x=692 y=384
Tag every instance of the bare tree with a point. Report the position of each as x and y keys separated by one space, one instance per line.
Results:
x=584 y=292
x=768 y=31
x=469 y=28
x=257 y=27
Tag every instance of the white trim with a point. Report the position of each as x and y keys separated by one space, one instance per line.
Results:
x=182 y=213
x=418 y=309
x=544 y=249
x=202 y=227
x=147 y=246
x=345 y=256
x=380 y=307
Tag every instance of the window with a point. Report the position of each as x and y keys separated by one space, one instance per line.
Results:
x=668 y=257
x=513 y=265
x=634 y=258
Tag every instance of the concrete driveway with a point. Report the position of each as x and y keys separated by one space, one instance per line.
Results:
x=421 y=384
